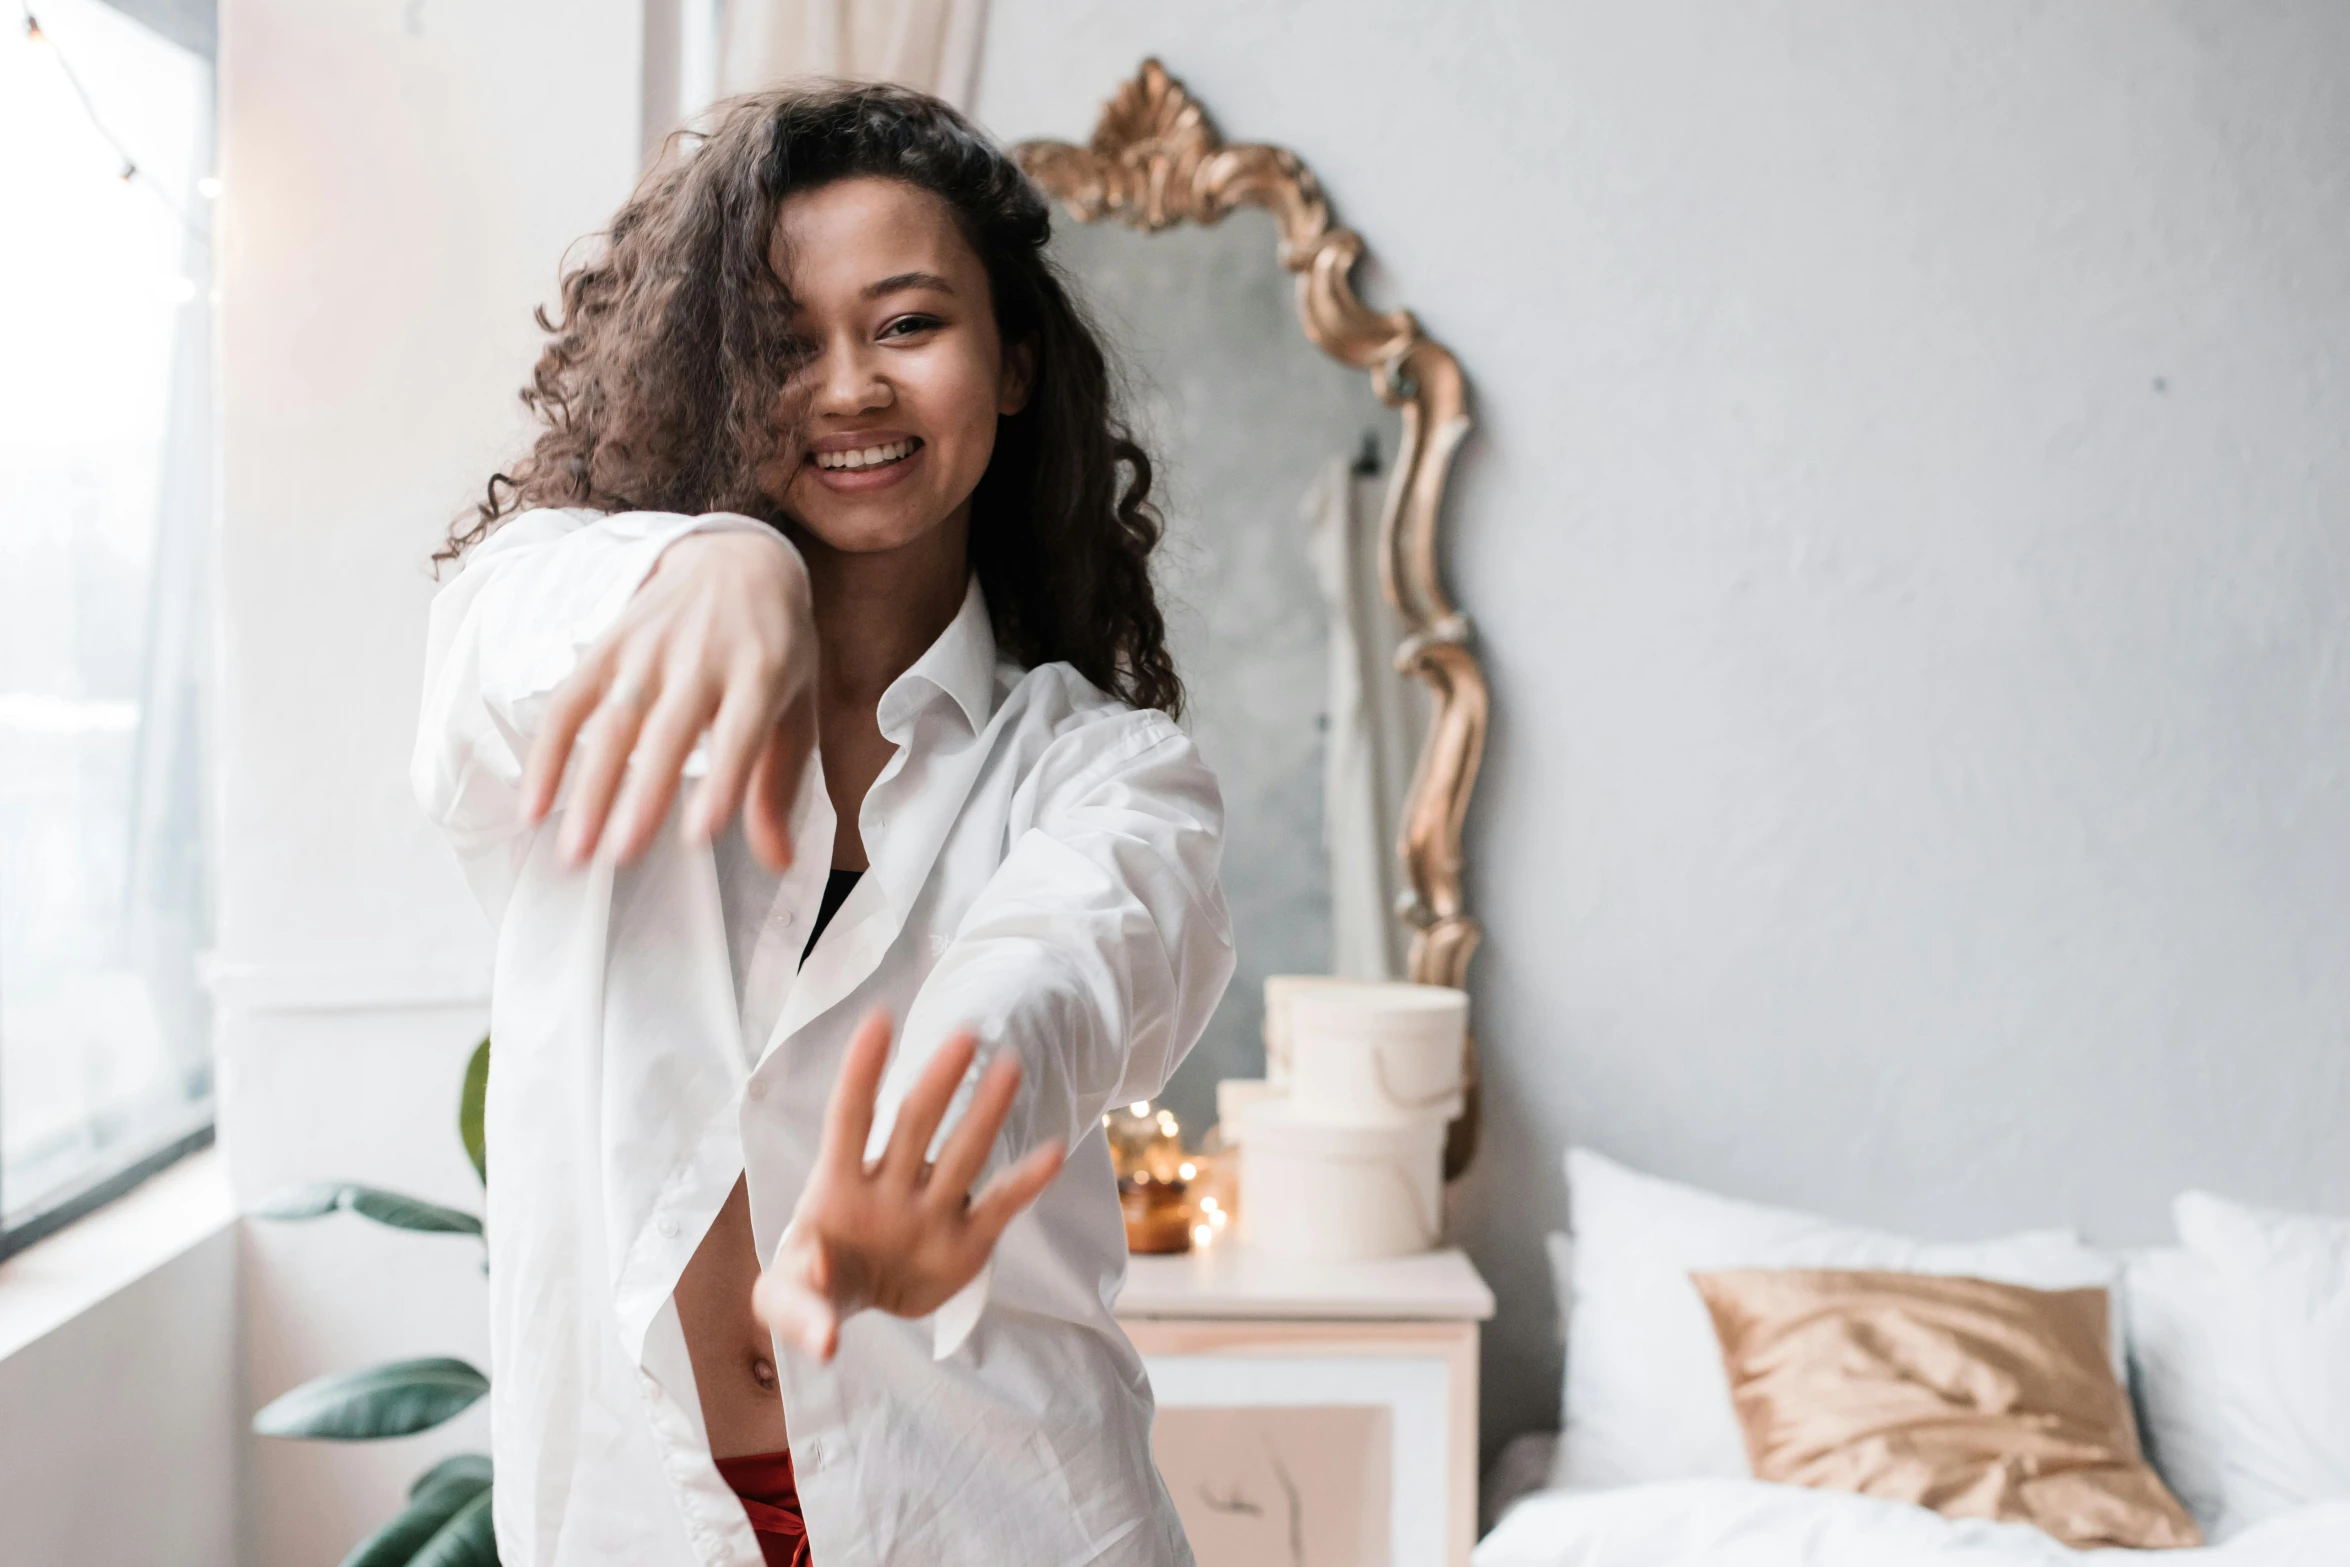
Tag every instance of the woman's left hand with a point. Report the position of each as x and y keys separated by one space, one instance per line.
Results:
x=901 y=1234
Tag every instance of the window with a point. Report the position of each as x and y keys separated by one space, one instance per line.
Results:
x=105 y=482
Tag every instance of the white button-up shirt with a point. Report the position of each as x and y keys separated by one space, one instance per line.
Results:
x=1044 y=868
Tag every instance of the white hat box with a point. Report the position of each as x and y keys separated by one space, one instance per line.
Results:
x=1235 y=1096
x=1281 y=993
x=1333 y=1192
x=1373 y=1052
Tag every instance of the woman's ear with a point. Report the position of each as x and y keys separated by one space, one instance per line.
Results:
x=1019 y=378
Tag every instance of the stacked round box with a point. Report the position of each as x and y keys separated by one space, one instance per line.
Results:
x=1342 y=1147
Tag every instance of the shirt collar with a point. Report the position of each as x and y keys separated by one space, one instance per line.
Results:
x=960 y=665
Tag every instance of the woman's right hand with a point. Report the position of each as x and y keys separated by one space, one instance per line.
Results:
x=720 y=638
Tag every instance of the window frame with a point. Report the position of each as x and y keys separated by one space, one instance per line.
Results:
x=192 y=25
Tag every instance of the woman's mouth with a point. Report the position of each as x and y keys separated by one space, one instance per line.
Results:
x=859 y=470
x=864 y=458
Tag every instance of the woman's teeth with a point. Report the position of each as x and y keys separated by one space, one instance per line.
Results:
x=869 y=456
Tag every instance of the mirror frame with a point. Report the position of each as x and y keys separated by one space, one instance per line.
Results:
x=1156 y=160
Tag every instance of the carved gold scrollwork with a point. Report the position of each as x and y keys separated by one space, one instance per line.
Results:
x=1155 y=160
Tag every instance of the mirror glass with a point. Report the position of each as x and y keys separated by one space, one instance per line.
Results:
x=1272 y=465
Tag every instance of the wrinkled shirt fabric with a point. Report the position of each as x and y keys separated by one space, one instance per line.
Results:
x=1043 y=869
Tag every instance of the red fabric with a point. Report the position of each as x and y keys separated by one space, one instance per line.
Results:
x=772 y=1499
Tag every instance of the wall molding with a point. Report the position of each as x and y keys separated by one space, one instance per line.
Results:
x=259 y=987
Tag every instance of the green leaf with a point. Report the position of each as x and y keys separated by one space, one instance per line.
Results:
x=461 y=1466
x=409 y=1213
x=467 y=1540
x=437 y=1499
x=302 y=1202
x=469 y=1109
x=396 y=1209
x=399 y=1399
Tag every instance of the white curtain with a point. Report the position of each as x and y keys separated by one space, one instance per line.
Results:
x=1371 y=743
x=932 y=45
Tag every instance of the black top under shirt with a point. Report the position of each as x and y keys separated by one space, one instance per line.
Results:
x=837 y=888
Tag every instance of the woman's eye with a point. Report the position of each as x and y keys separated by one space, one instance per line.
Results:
x=905 y=326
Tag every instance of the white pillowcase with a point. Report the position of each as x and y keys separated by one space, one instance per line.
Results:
x=2279 y=1337
x=1646 y=1397
x=2169 y=1300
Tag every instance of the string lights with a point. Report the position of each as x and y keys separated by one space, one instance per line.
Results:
x=131 y=174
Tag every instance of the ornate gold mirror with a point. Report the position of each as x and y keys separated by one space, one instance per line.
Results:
x=1332 y=682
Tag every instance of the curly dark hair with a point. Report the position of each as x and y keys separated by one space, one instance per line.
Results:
x=659 y=386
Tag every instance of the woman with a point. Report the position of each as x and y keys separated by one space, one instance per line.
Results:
x=807 y=673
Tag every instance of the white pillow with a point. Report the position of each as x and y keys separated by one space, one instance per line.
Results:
x=2281 y=1284
x=1646 y=1397
x=2169 y=1299
x=1560 y=1249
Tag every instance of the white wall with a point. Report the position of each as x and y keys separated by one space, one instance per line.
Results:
x=112 y=1451
x=1905 y=532
x=401 y=177
x=119 y=1383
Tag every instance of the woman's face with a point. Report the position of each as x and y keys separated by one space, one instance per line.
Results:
x=898 y=407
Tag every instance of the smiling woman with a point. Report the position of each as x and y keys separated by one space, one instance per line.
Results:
x=829 y=491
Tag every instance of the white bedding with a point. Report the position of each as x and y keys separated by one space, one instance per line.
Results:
x=1747 y=1523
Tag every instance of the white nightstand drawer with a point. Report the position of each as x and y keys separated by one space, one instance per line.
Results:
x=1314 y=1416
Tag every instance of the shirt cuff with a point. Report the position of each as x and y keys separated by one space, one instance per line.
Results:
x=952 y=1323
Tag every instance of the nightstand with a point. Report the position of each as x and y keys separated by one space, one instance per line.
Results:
x=1314 y=1414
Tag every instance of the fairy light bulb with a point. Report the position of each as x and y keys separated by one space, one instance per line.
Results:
x=1140 y=1109
x=1187 y=1169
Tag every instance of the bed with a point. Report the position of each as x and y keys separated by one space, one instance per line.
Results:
x=2228 y=1354
x=1747 y=1523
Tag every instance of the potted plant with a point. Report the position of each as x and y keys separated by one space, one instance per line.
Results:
x=447 y=1520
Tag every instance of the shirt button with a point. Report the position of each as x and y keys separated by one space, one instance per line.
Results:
x=667 y=1227
x=756 y=1088
x=815 y=1452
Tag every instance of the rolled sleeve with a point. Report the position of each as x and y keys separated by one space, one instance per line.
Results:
x=503 y=635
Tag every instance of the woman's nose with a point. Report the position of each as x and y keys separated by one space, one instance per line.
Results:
x=849 y=383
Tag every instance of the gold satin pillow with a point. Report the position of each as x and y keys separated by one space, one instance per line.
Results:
x=1976 y=1399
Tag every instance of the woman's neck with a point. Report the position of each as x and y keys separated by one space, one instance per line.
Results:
x=878 y=611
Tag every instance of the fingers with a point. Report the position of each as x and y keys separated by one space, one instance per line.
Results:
x=656 y=767
x=603 y=757
x=1010 y=1193
x=848 y=1117
x=966 y=1150
x=737 y=736
x=574 y=700
x=918 y=1117
x=775 y=784
x=796 y=1305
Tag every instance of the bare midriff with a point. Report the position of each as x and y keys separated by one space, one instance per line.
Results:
x=733 y=1357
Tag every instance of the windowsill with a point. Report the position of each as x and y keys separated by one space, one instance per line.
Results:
x=55 y=1280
